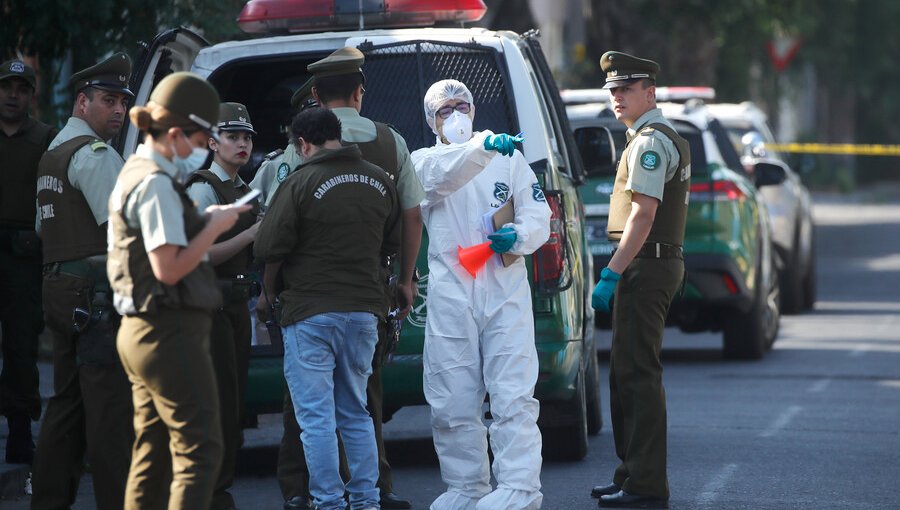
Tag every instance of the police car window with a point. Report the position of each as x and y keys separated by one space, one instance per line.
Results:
x=695 y=142
x=731 y=157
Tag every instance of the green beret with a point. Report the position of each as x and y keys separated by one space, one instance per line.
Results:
x=191 y=97
x=234 y=117
x=346 y=60
x=623 y=69
x=17 y=69
x=302 y=94
x=111 y=74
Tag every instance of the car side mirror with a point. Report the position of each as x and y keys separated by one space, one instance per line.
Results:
x=598 y=150
x=768 y=174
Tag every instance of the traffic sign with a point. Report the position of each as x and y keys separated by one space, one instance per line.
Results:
x=782 y=50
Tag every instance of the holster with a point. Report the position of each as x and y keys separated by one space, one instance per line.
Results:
x=389 y=329
x=238 y=289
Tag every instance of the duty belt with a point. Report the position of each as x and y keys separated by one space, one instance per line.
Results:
x=79 y=268
x=658 y=251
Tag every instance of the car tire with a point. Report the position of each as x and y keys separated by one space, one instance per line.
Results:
x=792 y=288
x=569 y=442
x=809 y=279
x=592 y=396
x=747 y=335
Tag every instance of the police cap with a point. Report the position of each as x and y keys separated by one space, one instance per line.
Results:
x=303 y=96
x=346 y=60
x=111 y=74
x=17 y=69
x=234 y=117
x=189 y=96
x=623 y=69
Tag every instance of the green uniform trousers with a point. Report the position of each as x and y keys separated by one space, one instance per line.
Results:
x=178 y=445
x=292 y=472
x=637 y=397
x=229 y=347
x=88 y=419
x=21 y=320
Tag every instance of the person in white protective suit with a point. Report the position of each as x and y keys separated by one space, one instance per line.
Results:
x=479 y=333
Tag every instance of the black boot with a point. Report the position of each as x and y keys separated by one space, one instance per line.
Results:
x=19 y=443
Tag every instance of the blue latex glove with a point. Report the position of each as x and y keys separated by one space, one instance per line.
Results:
x=503 y=143
x=602 y=296
x=503 y=240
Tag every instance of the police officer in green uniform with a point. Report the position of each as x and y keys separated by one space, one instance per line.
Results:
x=166 y=291
x=231 y=256
x=22 y=142
x=648 y=209
x=339 y=84
x=328 y=227
x=89 y=415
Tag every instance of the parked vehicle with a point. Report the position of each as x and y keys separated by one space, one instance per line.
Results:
x=788 y=202
x=514 y=92
x=732 y=282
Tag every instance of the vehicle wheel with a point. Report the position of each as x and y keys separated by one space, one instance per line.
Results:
x=809 y=279
x=569 y=442
x=592 y=395
x=748 y=335
x=792 y=294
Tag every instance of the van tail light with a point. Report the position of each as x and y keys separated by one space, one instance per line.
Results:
x=265 y=16
x=716 y=191
x=550 y=262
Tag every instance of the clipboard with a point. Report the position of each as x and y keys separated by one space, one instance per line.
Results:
x=495 y=219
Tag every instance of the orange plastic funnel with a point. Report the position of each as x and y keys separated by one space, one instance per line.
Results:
x=474 y=257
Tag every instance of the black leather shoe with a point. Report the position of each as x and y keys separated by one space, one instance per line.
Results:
x=605 y=490
x=389 y=500
x=622 y=499
x=298 y=503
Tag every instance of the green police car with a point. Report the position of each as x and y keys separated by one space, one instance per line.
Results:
x=732 y=278
x=513 y=91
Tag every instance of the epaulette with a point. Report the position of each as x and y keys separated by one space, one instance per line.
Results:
x=98 y=144
x=648 y=131
x=274 y=154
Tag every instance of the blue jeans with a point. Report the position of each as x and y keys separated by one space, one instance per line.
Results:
x=327 y=361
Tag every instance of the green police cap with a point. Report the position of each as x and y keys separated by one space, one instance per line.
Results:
x=111 y=74
x=17 y=69
x=191 y=97
x=234 y=117
x=623 y=69
x=303 y=94
x=345 y=60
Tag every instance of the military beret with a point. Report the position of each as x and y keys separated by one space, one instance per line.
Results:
x=623 y=69
x=191 y=97
x=346 y=60
x=234 y=117
x=111 y=74
x=303 y=95
x=17 y=69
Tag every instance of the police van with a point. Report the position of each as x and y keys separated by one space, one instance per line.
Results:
x=513 y=91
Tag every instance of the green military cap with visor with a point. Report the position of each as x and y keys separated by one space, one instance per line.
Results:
x=17 y=69
x=190 y=97
x=303 y=96
x=234 y=117
x=346 y=60
x=111 y=74
x=624 y=69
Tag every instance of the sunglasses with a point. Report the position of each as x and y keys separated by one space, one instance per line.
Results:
x=446 y=111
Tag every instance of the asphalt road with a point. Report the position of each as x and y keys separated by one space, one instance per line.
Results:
x=815 y=424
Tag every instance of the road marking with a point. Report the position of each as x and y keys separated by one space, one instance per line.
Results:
x=819 y=385
x=712 y=489
x=782 y=421
x=859 y=351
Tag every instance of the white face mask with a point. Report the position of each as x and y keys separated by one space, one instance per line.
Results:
x=191 y=163
x=457 y=128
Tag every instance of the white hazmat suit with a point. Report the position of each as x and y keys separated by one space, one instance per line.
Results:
x=479 y=334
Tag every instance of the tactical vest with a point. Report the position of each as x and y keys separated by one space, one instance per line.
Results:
x=226 y=193
x=69 y=230
x=671 y=215
x=130 y=273
x=22 y=153
x=382 y=151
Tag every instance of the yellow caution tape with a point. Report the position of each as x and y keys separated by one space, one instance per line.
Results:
x=836 y=148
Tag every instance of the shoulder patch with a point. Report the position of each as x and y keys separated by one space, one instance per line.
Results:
x=537 y=193
x=283 y=170
x=96 y=145
x=649 y=160
x=274 y=154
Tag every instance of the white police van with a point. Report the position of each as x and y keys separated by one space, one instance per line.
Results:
x=513 y=91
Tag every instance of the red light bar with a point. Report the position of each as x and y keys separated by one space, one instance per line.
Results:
x=266 y=16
